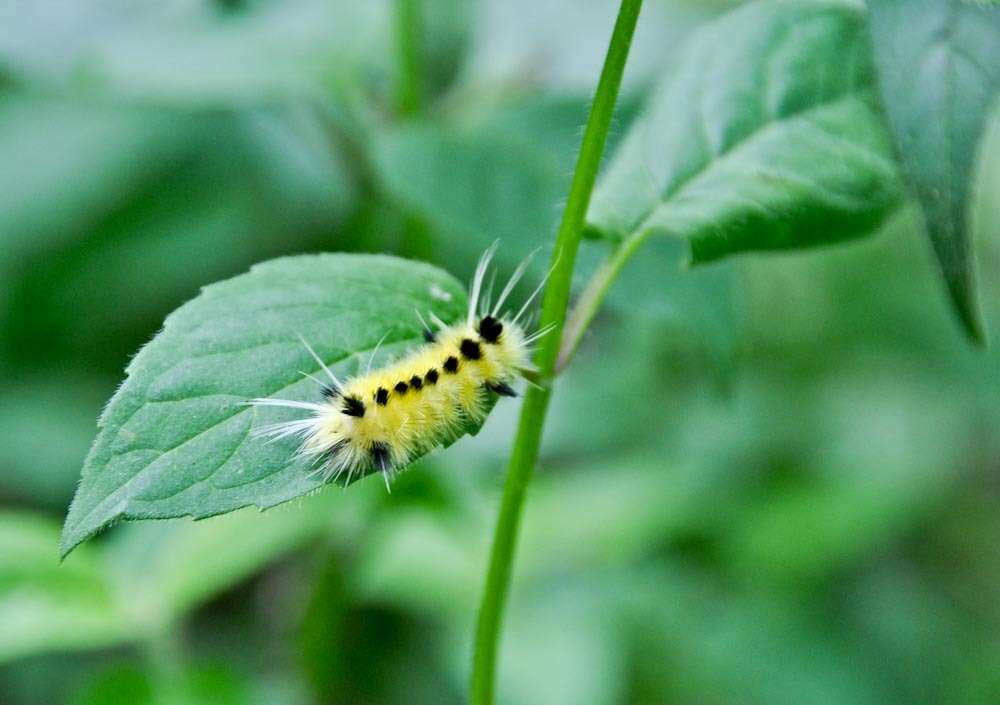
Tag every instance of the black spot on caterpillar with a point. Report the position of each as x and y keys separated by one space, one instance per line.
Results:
x=470 y=350
x=490 y=329
x=353 y=407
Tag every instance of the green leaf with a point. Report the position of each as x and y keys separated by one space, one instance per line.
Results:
x=45 y=606
x=176 y=566
x=176 y=439
x=764 y=137
x=939 y=80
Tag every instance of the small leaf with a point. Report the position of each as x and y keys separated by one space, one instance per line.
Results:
x=47 y=607
x=176 y=439
x=939 y=79
x=764 y=137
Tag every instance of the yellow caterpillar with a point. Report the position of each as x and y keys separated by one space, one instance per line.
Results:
x=386 y=418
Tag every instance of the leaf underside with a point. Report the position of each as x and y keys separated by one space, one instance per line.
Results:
x=939 y=79
x=175 y=440
x=764 y=137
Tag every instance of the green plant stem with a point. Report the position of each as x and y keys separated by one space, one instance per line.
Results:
x=410 y=50
x=554 y=303
x=593 y=295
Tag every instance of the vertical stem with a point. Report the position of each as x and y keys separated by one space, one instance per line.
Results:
x=409 y=38
x=529 y=433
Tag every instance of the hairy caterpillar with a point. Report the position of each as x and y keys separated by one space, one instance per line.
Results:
x=386 y=418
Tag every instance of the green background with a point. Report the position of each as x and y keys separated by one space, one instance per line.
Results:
x=771 y=479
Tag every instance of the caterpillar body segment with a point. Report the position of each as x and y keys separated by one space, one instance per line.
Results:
x=386 y=418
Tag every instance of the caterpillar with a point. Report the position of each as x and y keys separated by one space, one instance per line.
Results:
x=384 y=419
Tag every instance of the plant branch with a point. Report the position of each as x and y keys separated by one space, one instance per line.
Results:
x=554 y=303
x=593 y=295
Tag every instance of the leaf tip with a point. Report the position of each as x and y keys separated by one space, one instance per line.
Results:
x=963 y=303
x=957 y=274
x=73 y=533
x=67 y=542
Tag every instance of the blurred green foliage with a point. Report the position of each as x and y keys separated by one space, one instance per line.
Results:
x=769 y=480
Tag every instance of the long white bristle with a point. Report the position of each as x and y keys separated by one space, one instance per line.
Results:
x=487 y=297
x=514 y=279
x=290 y=403
x=477 y=280
x=538 y=289
x=336 y=382
x=437 y=321
x=378 y=345
x=541 y=332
